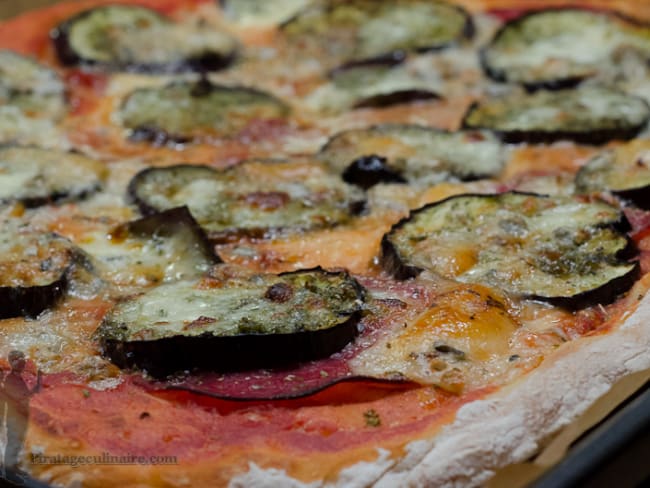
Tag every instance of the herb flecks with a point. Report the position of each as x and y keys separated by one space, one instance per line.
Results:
x=372 y=418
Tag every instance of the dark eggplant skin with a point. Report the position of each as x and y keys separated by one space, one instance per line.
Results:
x=353 y=204
x=367 y=171
x=501 y=76
x=396 y=98
x=595 y=137
x=604 y=295
x=389 y=60
x=47 y=276
x=167 y=222
x=59 y=37
x=252 y=351
x=639 y=197
x=132 y=188
x=467 y=33
x=245 y=351
x=54 y=196
x=29 y=301
x=392 y=263
x=148 y=121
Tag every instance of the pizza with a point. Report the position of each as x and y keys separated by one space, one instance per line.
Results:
x=317 y=242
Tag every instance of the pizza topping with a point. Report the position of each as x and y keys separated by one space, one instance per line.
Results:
x=133 y=38
x=255 y=199
x=363 y=29
x=625 y=171
x=267 y=12
x=368 y=171
x=557 y=249
x=463 y=340
x=163 y=247
x=415 y=154
x=389 y=304
x=184 y=111
x=36 y=176
x=589 y=115
x=33 y=88
x=33 y=269
x=556 y=48
x=376 y=84
x=226 y=323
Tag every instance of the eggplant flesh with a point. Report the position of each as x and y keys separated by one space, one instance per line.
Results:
x=163 y=247
x=415 y=154
x=558 y=48
x=134 y=38
x=556 y=249
x=234 y=323
x=623 y=171
x=587 y=115
x=34 y=269
x=363 y=29
x=268 y=12
x=31 y=87
x=186 y=111
x=255 y=199
x=36 y=177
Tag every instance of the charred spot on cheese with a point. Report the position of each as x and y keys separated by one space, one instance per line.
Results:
x=560 y=47
x=624 y=171
x=588 y=115
x=557 y=249
x=134 y=38
x=33 y=269
x=414 y=154
x=261 y=12
x=255 y=199
x=185 y=111
x=31 y=87
x=236 y=323
x=366 y=29
x=35 y=176
x=162 y=247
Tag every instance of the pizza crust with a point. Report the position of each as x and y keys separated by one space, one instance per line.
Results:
x=504 y=428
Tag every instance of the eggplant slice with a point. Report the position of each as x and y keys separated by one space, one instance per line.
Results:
x=35 y=176
x=411 y=153
x=256 y=199
x=163 y=247
x=184 y=111
x=377 y=84
x=231 y=323
x=31 y=87
x=624 y=171
x=557 y=48
x=556 y=249
x=33 y=269
x=133 y=38
x=265 y=12
x=587 y=115
x=367 y=29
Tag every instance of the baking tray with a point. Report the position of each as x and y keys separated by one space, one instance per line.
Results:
x=616 y=452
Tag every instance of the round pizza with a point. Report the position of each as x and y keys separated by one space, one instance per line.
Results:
x=317 y=243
